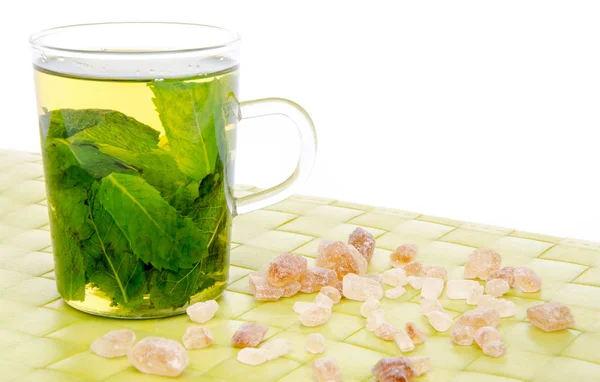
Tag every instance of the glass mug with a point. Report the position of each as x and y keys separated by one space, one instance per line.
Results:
x=138 y=124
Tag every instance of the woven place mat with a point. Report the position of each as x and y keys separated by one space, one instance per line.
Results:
x=43 y=339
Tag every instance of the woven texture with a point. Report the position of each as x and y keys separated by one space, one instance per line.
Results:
x=43 y=339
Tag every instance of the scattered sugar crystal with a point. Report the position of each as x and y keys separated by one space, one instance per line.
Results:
x=421 y=364
x=315 y=315
x=460 y=289
x=432 y=288
x=416 y=335
x=479 y=317
x=527 y=280
x=506 y=274
x=504 y=307
x=395 y=293
x=315 y=343
x=376 y=318
x=341 y=258
x=301 y=306
x=416 y=281
x=399 y=369
x=395 y=277
x=196 y=337
x=440 y=321
x=496 y=287
x=489 y=340
x=462 y=335
x=340 y=287
x=202 y=312
x=476 y=293
x=262 y=290
x=385 y=331
x=376 y=277
x=158 y=356
x=481 y=263
x=363 y=241
x=403 y=255
x=435 y=271
x=404 y=342
x=413 y=269
x=285 y=268
x=291 y=289
x=276 y=348
x=249 y=335
x=316 y=278
x=551 y=316
x=326 y=370
x=370 y=305
x=115 y=343
x=359 y=288
x=429 y=305
x=332 y=293
x=252 y=356
x=324 y=300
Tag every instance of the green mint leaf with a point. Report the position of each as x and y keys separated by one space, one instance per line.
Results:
x=134 y=137
x=157 y=233
x=190 y=112
x=111 y=264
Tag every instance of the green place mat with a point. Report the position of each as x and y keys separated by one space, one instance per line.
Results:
x=43 y=339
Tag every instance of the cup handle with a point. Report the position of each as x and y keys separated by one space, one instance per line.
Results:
x=308 y=151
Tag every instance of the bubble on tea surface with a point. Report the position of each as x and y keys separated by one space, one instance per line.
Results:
x=316 y=278
x=370 y=305
x=395 y=277
x=415 y=334
x=506 y=274
x=385 y=331
x=479 y=317
x=421 y=364
x=435 y=271
x=262 y=290
x=403 y=341
x=202 y=312
x=403 y=255
x=439 y=320
x=475 y=295
x=432 y=288
x=115 y=343
x=527 y=280
x=489 y=340
x=315 y=315
x=462 y=335
x=285 y=269
x=158 y=356
x=551 y=316
x=196 y=337
x=394 y=369
x=332 y=293
x=315 y=343
x=460 y=289
x=395 y=293
x=496 y=287
x=326 y=370
x=363 y=241
x=481 y=262
x=341 y=258
x=252 y=356
x=324 y=300
x=414 y=268
x=291 y=289
x=505 y=308
x=429 y=305
x=249 y=335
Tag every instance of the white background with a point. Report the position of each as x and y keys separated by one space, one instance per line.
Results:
x=485 y=111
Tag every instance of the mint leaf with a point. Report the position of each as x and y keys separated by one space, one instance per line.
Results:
x=157 y=233
x=175 y=288
x=134 y=136
x=190 y=112
x=111 y=264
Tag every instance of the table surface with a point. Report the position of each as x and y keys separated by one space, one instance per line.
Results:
x=43 y=339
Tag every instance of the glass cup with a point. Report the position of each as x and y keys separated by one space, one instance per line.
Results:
x=138 y=133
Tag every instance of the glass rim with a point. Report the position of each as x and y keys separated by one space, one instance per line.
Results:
x=35 y=38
